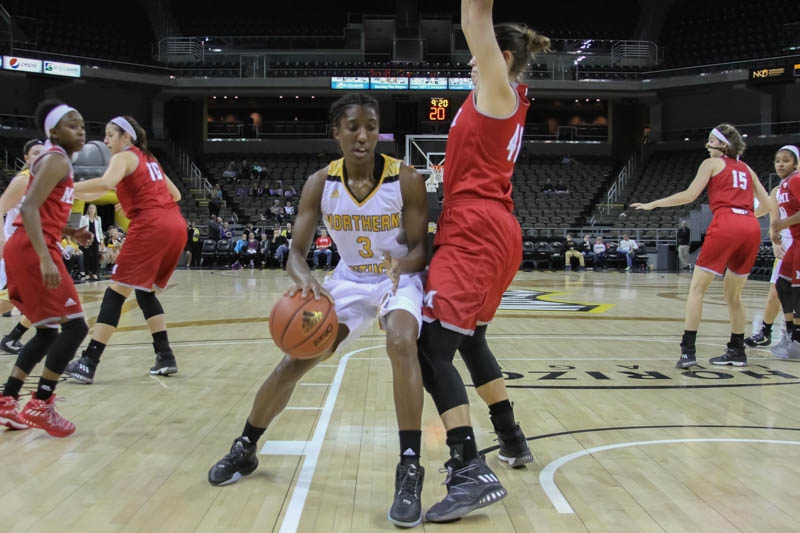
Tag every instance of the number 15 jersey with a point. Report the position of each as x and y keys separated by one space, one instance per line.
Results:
x=145 y=187
x=732 y=188
x=481 y=151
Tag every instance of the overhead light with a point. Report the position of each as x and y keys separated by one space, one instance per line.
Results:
x=744 y=135
x=576 y=100
x=313 y=97
x=281 y=97
x=296 y=97
x=597 y=100
x=587 y=99
x=236 y=97
x=214 y=97
x=225 y=97
x=686 y=138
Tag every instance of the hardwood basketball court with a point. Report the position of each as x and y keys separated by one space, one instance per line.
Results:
x=623 y=440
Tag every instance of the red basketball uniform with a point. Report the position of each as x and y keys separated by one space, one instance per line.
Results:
x=478 y=243
x=25 y=285
x=734 y=235
x=789 y=204
x=157 y=233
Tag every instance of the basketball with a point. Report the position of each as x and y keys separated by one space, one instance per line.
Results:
x=303 y=327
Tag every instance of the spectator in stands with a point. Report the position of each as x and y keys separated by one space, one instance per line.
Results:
x=587 y=249
x=215 y=200
x=113 y=244
x=276 y=209
x=230 y=173
x=628 y=247
x=288 y=232
x=288 y=209
x=91 y=220
x=263 y=249
x=225 y=233
x=280 y=246
x=257 y=170
x=73 y=256
x=570 y=251
x=245 y=169
x=250 y=255
x=599 y=250
x=192 y=244
x=238 y=251
x=684 y=238
x=277 y=188
x=323 y=247
x=290 y=192
x=561 y=188
x=547 y=186
x=213 y=228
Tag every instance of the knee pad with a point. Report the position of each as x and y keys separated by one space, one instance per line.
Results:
x=796 y=301
x=110 y=308
x=63 y=349
x=149 y=304
x=479 y=359
x=437 y=348
x=36 y=348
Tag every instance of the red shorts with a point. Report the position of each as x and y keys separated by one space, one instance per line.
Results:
x=478 y=250
x=154 y=245
x=790 y=265
x=732 y=241
x=26 y=289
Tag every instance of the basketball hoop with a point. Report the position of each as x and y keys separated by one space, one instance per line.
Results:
x=437 y=173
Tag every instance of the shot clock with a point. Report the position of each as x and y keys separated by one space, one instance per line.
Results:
x=437 y=110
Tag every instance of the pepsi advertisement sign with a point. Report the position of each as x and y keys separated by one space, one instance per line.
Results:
x=22 y=64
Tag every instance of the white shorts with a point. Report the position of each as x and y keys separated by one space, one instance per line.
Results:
x=3 y=276
x=776 y=269
x=360 y=298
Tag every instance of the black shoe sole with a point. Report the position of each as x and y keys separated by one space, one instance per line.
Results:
x=80 y=378
x=682 y=365
x=491 y=496
x=517 y=461
x=164 y=371
x=729 y=363
x=10 y=351
x=400 y=523
x=235 y=477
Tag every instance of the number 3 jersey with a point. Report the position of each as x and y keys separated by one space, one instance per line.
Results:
x=481 y=151
x=145 y=187
x=731 y=189
x=364 y=231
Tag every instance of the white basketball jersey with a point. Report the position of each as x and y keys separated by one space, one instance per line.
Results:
x=363 y=231
x=8 y=227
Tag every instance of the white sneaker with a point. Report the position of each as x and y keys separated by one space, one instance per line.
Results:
x=780 y=350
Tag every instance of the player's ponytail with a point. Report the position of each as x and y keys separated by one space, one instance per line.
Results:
x=140 y=141
x=734 y=143
x=523 y=43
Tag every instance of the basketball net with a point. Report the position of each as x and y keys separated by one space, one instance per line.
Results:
x=437 y=173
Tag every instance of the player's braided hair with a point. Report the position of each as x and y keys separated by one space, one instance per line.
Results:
x=339 y=106
x=522 y=42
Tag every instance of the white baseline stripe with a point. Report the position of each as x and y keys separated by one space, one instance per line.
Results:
x=291 y=520
x=546 y=476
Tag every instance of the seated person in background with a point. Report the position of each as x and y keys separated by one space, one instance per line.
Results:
x=287 y=232
x=73 y=257
x=290 y=192
x=262 y=189
x=570 y=251
x=254 y=191
x=276 y=209
x=288 y=209
x=263 y=249
x=113 y=244
x=225 y=233
x=245 y=169
x=250 y=253
x=258 y=170
x=280 y=246
x=230 y=172
x=627 y=247
x=560 y=187
x=587 y=249
x=277 y=188
x=599 y=250
x=238 y=251
x=547 y=187
x=323 y=247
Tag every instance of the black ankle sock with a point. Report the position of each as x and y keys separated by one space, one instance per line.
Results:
x=46 y=388
x=737 y=341
x=160 y=341
x=252 y=433
x=461 y=441
x=795 y=334
x=766 y=328
x=13 y=386
x=18 y=331
x=410 y=444
x=688 y=341
x=502 y=415
x=94 y=350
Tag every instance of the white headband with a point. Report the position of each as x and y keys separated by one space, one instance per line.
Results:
x=718 y=134
x=125 y=125
x=54 y=116
x=792 y=148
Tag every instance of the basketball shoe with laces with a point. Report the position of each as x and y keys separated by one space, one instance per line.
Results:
x=9 y=413
x=81 y=370
x=9 y=345
x=514 y=448
x=732 y=356
x=42 y=414
x=470 y=486
x=406 y=511
x=237 y=463
x=759 y=339
x=687 y=359
x=165 y=364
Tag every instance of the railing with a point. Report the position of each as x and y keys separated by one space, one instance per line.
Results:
x=756 y=129
x=180 y=49
x=25 y=123
x=659 y=235
x=644 y=51
x=616 y=189
x=188 y=169
x=289 y=128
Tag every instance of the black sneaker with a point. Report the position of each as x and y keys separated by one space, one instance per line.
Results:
x=514 y=448
x=470 y=486
x=759 y=339
x=406 y=511
x=241 y=461
x=165 y=364
x=9 y=345
x=686 y=360
x=81 y=370
x=732 y=356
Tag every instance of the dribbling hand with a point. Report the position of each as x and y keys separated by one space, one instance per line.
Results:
x=50 y=275
x=309 y=283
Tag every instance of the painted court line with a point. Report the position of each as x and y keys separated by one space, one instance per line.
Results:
x=547 y=475
x=310 y=449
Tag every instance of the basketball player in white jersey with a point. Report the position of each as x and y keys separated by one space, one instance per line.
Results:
x=10 y=202
x=367 y=200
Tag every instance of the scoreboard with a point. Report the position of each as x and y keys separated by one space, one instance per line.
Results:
x=773 y=74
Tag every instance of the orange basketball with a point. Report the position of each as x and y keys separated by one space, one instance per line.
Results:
x=303 y=327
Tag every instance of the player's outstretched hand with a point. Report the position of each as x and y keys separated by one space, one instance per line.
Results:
x=50 y=274
x=309 y=283
x=83 y=236
x=647 y=207
x=392 y=267
x=778 y=251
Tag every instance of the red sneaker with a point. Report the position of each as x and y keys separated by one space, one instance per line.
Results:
x=9 y=413
x=42 y=414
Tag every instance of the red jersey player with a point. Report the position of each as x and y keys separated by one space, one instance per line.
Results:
x=732 y=239
x=477 y=252
x=155 y=242
x=38 y=282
